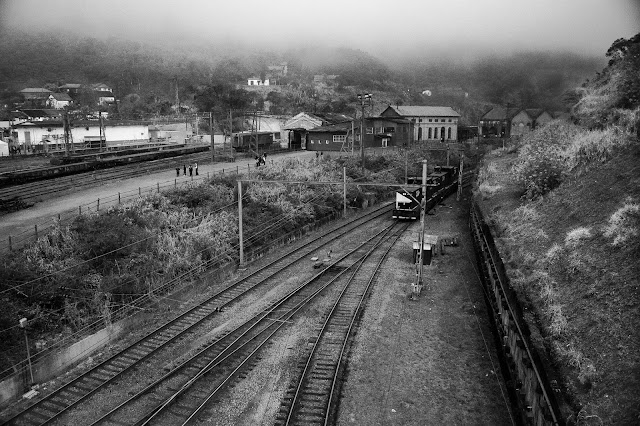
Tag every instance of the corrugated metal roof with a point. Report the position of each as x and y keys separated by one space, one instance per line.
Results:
x=425 y=111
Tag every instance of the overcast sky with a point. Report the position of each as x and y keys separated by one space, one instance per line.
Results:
x=377 y=26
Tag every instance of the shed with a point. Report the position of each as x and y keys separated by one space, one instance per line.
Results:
x=428 y=247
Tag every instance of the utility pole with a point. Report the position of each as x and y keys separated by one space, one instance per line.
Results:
x=363 y=98
x=65 y=124
x=240 y=237
x=101 y=130
x=423 y=213
x=213 y=155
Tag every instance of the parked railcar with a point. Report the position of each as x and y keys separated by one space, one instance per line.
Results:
x=440 y=184
x=247 y=141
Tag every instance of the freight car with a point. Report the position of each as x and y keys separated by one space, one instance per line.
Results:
x=440 y=184
x=252 y=141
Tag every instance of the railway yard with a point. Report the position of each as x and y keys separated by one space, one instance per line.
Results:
x=284 y=342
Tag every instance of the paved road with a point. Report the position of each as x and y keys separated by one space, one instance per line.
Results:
x=21 y=224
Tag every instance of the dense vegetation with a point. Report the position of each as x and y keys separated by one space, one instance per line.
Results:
x=565 y=204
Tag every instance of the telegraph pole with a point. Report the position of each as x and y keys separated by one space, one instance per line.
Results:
x=213 y=155
x=423 y=213
x=363 y=97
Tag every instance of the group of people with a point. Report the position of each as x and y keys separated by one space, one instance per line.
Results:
x=261 y=160
x=192 y=167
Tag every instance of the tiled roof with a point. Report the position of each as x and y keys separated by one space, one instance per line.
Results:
x=70 y=86
x=61 y=97
x=534 y=112
x=425 y=111
x=340 y=127
x=35 y=90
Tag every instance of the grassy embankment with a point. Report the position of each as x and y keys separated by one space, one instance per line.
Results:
x=565 y=206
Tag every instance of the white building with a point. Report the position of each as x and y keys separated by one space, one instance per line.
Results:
x=430 y=123
x=47 y=136
x=257 y=81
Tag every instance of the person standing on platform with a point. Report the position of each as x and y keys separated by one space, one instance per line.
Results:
x=196 y=167
x=184 y=169
x=190 y=170
x=178 y=171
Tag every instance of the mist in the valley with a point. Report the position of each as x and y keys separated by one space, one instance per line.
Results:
x=492 y=51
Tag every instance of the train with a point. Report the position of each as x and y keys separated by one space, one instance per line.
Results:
x=252 y=141
x=440 y=184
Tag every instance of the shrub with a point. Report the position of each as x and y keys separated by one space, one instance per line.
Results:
x=575 y=236
x=624 y=225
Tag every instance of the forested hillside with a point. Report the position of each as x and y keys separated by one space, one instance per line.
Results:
x=144 y=77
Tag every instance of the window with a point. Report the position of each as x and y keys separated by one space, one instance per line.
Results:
x=388 y=130
x=327 y=142
x=369 y=130
x=429 y=133
x=449 y=120
x=312 y=142
x=435 y=133
x=276 y=135
x=339 y=138
x=449 y=133
x=358 y=138
x=419 y=120
x=431 y=120
x=443 y=120
x=379 y=130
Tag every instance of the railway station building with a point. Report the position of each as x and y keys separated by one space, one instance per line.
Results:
x=379 y=132
x=430 y=123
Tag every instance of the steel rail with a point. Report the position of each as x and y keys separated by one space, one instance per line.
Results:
x=79 y=389
x=250 y=330
x=306 y=377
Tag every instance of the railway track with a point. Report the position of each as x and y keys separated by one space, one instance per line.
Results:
x=49 y=188
x=181 y=395
x=56 y=404
x=312 y=399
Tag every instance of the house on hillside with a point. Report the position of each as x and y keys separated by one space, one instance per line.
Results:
x=101 y=87
x=257 y=81
x=105 y=97
x=59 y=100
x=526 y=120
x=71 y=89
x=278 y=70
x=495 y=122
x=430 y=123
x=35 y=97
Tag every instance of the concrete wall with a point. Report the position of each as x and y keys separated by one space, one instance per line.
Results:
x=51 y=365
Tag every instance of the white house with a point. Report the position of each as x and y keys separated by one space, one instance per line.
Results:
x=257 y=81
x=431 y=123
x=59 y=100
